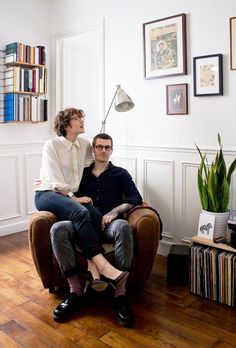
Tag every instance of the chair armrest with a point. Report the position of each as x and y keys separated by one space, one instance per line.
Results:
x=147 y=228
x=40 y=244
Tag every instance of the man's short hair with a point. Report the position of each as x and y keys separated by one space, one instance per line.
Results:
x=102 y=136
x=62 y=120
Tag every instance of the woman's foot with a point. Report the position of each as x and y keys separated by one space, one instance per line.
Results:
x=119 y=283
x=96 y=284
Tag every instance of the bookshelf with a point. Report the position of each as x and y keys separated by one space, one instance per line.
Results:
x=23 y=84
x=213 y=271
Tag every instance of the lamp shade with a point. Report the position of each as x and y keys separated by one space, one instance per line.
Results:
x=123 y=102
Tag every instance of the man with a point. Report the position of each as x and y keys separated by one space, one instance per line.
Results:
x=112 y=193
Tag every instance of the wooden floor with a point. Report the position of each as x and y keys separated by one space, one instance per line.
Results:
x=164 y=316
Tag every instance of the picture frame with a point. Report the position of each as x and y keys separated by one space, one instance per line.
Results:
x=177 y=99
x=164 y=42
x=206 y=226
x=232 y=33
x=208 y=75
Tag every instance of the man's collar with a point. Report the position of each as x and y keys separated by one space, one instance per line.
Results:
x=110 y=165
x=69 y=143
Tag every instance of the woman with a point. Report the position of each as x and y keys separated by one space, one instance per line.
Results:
x=63 y=160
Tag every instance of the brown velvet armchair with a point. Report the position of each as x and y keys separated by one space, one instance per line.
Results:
x=147 y=233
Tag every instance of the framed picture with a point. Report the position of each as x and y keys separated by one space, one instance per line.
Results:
x=206 y=226
x=232 y=31
x=164 y=42
x=177 y=99
x=208 y=75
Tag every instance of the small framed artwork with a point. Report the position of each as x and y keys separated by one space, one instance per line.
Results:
x=206 y=226
x=208 y=75
x=232 y=31
x=164 y=42
x=177 y=99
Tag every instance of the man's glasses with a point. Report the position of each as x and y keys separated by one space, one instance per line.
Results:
x=101 y=147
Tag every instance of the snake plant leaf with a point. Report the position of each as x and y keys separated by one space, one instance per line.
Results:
x=212 y=183
x=202 y=190
x=203 y=160
x=231 y=170
x=225 y=196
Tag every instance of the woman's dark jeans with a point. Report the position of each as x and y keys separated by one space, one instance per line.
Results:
x=86 y=236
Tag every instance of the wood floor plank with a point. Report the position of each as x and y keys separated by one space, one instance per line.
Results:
x=22 y=336
x=115 y=340
x=6 y=341
x=179 y=342
x=8 y=293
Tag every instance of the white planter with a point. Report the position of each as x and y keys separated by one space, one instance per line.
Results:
x=221 y=223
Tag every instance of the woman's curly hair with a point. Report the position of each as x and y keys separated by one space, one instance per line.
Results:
x=62 y=120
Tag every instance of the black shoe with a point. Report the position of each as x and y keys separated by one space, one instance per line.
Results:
x=125 y=315
x=68 y=307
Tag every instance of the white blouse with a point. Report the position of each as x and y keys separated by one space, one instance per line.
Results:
x=63 y=163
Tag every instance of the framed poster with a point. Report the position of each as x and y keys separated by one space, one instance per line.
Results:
x=208 y=75
x=177 y=99
x=164 y=42
x=206 y=226
x=232 y=31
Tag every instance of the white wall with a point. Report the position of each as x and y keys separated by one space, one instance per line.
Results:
x=26 y=21
x=158 y=149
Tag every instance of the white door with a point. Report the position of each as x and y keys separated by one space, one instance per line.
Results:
x=82 y=76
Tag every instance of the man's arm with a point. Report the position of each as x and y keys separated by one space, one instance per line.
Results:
x=129 y=189
x=112 y=214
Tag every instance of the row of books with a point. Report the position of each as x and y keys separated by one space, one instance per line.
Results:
x=19 y=107
x=19 y=52
x=18 y=79
x=213 y=274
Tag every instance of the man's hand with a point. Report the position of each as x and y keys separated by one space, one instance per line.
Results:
x=112 y=215
x=109 y=217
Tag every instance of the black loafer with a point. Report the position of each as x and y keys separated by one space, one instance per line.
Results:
x=68 y=307
x=124 y=312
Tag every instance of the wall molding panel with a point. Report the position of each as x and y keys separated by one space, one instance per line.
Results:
x=158 y=183
x=10 y=187
x=32 y=168
x=21 y=163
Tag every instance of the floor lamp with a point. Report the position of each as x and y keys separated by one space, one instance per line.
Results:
x=122 y=103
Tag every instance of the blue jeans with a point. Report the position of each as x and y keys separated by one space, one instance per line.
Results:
x=63 y=243
x=65 y=208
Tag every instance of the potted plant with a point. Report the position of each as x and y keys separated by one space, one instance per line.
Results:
x=214 y=187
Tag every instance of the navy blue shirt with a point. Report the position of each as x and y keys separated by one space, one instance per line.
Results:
x=111 y=188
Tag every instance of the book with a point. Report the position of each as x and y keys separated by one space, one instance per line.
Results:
x=10 y=103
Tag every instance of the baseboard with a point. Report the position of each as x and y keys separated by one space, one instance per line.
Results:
x=13 y=228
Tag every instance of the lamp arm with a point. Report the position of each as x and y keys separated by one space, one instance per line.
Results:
x=105 y=118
